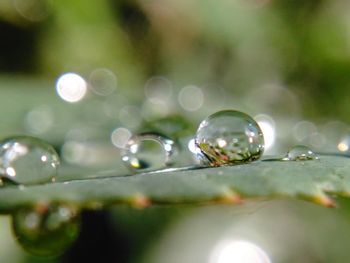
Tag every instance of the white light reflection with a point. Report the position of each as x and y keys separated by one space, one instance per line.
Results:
x=267 y=125
x=73 y=152
x=238 y=251
x=221 y=142
x=11 y=171
x=343 y=145
x=71 y=87
x=192 y=146
x=120 y=137
x=191 y=98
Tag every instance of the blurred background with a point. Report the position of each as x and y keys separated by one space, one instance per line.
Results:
x=85 y=76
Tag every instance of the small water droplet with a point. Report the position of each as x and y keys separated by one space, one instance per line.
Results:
x=300 y=153
x=229 y=137
x=149 y=151
x=28 y=160
x=46 y=230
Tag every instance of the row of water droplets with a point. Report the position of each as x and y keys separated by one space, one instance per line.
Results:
x=225 y=138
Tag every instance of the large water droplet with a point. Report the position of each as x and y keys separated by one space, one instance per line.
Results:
x=230 y=137
x=300 y=153
x=149 y=151
x=46 y=230
x=28 y=160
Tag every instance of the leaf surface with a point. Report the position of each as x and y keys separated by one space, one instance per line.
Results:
x=309 y=180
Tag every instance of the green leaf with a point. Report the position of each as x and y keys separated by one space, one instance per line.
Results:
x=309 y=180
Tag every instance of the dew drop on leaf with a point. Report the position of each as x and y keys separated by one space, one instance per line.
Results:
x=28 y=160
x=300 y=153
x=229 y=137
x=148 y=151
x=46 y=231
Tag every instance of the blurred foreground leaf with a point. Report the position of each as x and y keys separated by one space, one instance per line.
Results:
x=309 y=180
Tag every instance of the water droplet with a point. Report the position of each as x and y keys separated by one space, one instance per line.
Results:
x=46 y=230
x=229 y=137
x=28 y=160
x=300 y=153
x=149 y=151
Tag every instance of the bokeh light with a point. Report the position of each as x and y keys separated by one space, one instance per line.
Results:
x=344 y=144
x=40 y=120
x=71 y=87
x=268 y=127
x=238 y=251
x=191 y=98
x=303 y=129
x=102 y=82
x=192 y=146
x=120 y=136
x=158 y=89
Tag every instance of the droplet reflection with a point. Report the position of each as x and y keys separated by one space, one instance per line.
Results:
x=148 y=151
x=28 y=160
x=46 y=230
x=229 y=137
